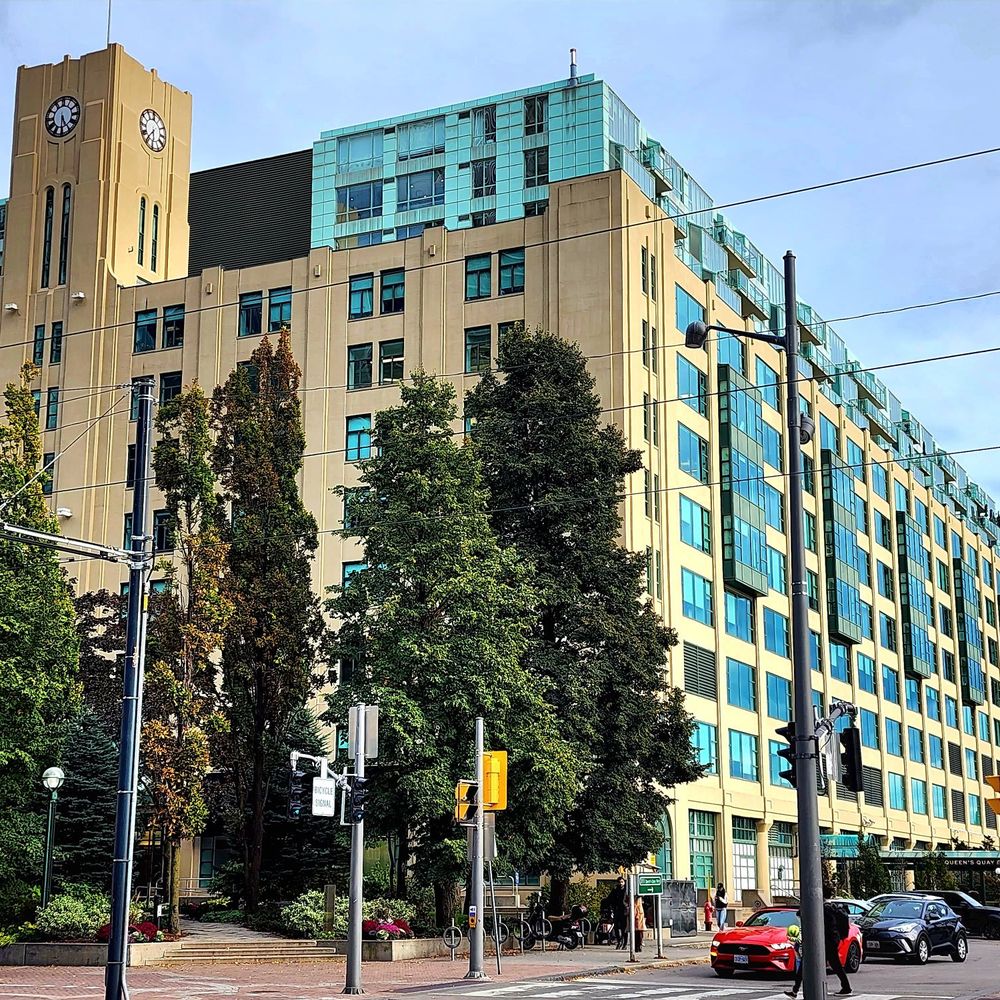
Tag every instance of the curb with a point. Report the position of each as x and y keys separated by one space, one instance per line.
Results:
x=618 y=970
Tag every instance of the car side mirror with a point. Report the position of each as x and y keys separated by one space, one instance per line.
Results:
x=739 y=923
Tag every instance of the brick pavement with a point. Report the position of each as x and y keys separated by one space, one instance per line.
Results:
x=312 y=981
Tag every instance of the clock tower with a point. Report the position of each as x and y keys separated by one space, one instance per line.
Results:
x=98 y=192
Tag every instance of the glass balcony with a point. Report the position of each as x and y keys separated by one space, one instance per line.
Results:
x=728 y=295
x=743 y=254
x=817 y=357
x=948 y=466
x=653 y=160
x=878 y=419
x=676 y=212
x=754 y=298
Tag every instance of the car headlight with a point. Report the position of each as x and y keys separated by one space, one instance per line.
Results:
x=908 y=928
x=785 y=946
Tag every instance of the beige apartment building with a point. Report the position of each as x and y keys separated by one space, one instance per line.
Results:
x=411 y=243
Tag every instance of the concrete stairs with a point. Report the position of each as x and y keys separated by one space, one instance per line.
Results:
x=243 y=952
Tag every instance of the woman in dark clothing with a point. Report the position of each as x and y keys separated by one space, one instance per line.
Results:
x=619 y=909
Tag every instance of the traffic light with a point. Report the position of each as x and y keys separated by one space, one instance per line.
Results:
x=466 y=801
x=850 y=759
x=296 y=788
x=993 y=780
x=359 y=793
x=495 y=780
x=787 y=733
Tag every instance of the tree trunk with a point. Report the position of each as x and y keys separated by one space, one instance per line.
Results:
x=446 y=901
x=255 y=832
x=402 y=860
x=174 y=861
x=558 y=896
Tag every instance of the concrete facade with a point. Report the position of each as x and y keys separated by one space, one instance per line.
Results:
x=905 y=571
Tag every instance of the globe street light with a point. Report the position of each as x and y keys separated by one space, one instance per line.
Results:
x=52 y=779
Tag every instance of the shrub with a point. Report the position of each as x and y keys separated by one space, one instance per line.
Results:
x=223 y=917
x=377 y=879
x=74 y=914
x=304 y=917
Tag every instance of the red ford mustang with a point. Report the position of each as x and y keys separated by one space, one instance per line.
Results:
x=761 y=944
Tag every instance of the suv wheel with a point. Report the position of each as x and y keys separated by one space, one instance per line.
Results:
x=853 y=962
x=961 y=950
x=922 y=951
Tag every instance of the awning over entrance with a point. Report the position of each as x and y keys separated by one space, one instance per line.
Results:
x=976 y=860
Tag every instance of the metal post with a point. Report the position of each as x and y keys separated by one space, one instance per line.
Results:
x=352 y=983
x=50 y=840
x=659 y=925
x=810 y=871
x=131 y=718
x=496 y=918
x=630 y=917
x=477 y=895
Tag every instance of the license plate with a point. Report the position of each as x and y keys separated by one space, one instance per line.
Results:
x=741 y=959
x=873 y=945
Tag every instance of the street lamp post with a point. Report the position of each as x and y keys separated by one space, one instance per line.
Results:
x=52 y=779
x=800 y=428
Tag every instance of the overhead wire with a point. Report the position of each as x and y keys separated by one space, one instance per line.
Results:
x=602 y=231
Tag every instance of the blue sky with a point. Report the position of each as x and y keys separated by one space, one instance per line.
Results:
x=752 y=96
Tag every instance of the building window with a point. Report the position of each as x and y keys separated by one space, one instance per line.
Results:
x=477 y=349
x=775 y=632
x=935 y=751
x=731 y=352
x=536 y=167
x=49 y=470
x=487 y=218
x=767 y=382
x=777 y=765
x=869 y=729
x=915 y=744
x=359 y=438
x=141 y=244
x=279 y=309
x=145 y=331
x=511 y=272
x=779 y=697
x=484 y=125
x=390 y=361
x=67 y=198
x=693 y=454
x=840 y=662
x=776 y=570
x=829 y=435
x=866 y=673
x=484 y=178
x=890 y=685
x=359 y=366
x=933 y=700
x=154 y=238
x=251 y=313
x=739 y=616
x=975 y=814
x=170 y=386
x=477 y=277
x=887 y=631
x=173 y=326
x=127 y=533
x=696 y=525
x=420 y=190
x=359 y=201
x=772 y=447
x=774 y=509
x=705 y=741
x=644 y=269
x=687 y=309
x=692 y=384
x=393 y=284
x=812 y=590
x=534 y=114
x=534 y=208
x=918 y=796
x=38 y=346
x=696 y=597
x=741 y=684
x=897 y=792
x=743 y=761
x=348 y=569
x=361 y=303
x=420 y=138
x=50 y=197
x=130 y=467
x=886 y=581
x=951 y=711
x=359 y=152
x=163 y=531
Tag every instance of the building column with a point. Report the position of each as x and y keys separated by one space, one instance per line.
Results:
x=764 y=858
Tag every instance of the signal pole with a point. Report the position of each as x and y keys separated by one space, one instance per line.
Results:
x=476 y=938
x=352 y=984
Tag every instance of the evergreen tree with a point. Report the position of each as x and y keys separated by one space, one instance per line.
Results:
x=185 y=633
x=271 y=637
x=85 y=822
x=101 y=621
x=433 y=632
x=38 y=651
x=556 y=475
x=869 y=875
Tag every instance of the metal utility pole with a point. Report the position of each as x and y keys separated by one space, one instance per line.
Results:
x=352 y=984
x=131 y=720
x=631 y=916
x=810 y=864
x=476 y=937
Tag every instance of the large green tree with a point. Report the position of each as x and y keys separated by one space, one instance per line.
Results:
x=556 y=473
x=186 y=632
x=38 y=650
x=433 y=631
x=271 y=637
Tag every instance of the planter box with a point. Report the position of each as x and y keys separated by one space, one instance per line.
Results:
x=408 y=948
x=73 y=953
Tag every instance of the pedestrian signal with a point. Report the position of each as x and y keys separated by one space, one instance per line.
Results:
x=850 y=760
x=787 y=733
x=296 y=789
x=495 y=780
x=466 y=801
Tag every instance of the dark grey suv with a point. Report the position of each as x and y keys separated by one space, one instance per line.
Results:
x=978 y=919
x=912 y=928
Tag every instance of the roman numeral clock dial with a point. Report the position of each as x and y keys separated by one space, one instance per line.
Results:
x=152 y=130
x=62 y=116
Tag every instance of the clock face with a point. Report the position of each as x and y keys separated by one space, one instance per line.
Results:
x=62 y=116
x=153 y=131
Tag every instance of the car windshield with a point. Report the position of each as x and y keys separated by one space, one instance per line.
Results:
x=892 y=909
x=773 y=918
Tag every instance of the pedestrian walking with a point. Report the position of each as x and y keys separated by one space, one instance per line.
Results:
x=709 y=913
x=721 y=905
x=640 y=923
x=619 y=910
x=836 y=927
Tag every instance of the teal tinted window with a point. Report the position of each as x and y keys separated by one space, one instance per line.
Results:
x=880 y=481
x=691 y=385
x=775 y=632
x=897 y=792
x=890 y=685
x=829 y=434
x=774 y=507
x=915 y=744
x=696 y=597
x=687 y=309
x=777 y=764
x=840 y=662
x=779 y=697
x=478 y=355
x=893 y=738
x=743 y=762
x=869 y=729
x=693 y=453
x=511 y=272
x=912 y=694
x=767 y=382
x=866 y=673
x=705 y=740
x=251 y=314
x=772 y=447
x=359 y=438
x=279 y=309
x=696 y=525
x=741 y=684
x=935 y=751
x=918 y=796
x=776 y=570
x=939 y=801
x=361 y=303
x=739 y=616
x=933 y=700
x=477 y=276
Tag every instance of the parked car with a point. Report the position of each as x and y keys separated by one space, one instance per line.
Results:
x=978 y=919
x=760 y=944
x=854 y=907
x=913 y=928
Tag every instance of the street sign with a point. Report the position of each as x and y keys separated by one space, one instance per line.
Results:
x=324 y=797
x=648 y=885
x=371 y=732
x=473 y=916
x=489 y=836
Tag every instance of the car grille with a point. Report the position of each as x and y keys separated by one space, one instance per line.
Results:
x=743 y=949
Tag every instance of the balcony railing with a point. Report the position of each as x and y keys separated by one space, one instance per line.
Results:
x=754 y=298
x=745 y=254
x=878 y=419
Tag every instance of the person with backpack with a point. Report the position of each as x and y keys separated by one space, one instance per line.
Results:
x=836 y=927
x=721 y=905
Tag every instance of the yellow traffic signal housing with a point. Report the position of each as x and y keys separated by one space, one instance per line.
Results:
x=993 y=780
x=495 y=780
x=466 y=801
